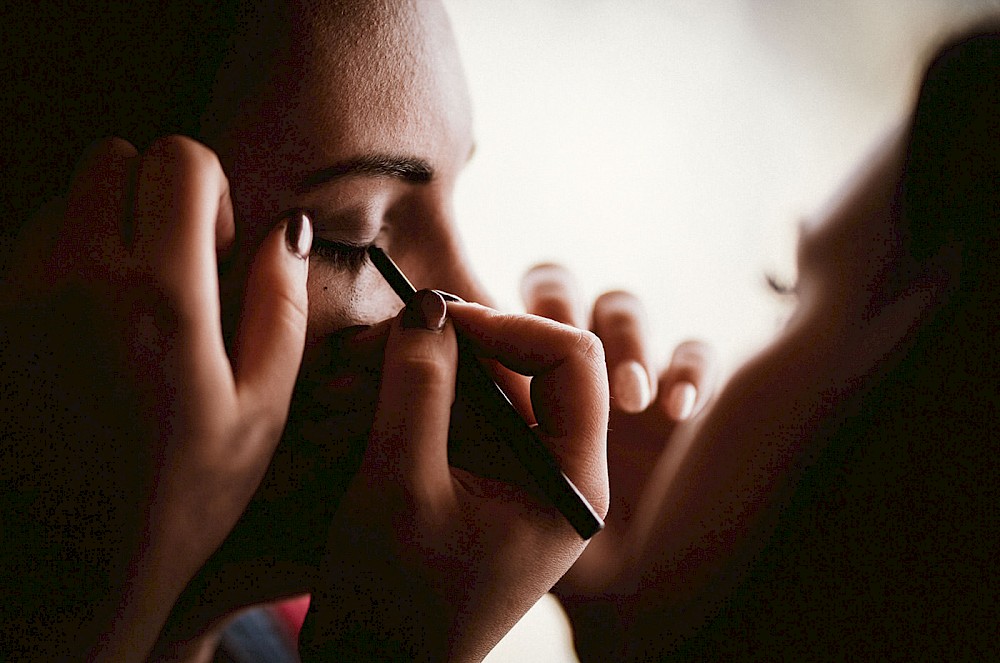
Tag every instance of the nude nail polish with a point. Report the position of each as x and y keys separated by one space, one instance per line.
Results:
x=680 y=401
x=630 y=387
x=448 y=297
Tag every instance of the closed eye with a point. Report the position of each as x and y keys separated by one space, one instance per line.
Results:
x=780 y=286
x=340 y=255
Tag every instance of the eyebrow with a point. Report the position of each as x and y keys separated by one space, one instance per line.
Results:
x=408 y=169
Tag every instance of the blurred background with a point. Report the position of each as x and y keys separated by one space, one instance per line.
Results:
x=671 y=147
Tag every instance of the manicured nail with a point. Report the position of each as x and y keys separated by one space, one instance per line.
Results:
x=630 y=387
x=426 y=310
x=299 y=234
x=680 y=401
x=448 y=297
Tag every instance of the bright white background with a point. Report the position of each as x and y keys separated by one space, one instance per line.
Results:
x=670 y=147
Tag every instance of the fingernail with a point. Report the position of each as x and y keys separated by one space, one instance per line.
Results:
x=426 y=310
x=544 y=281
x=680 y=401
x=299 y=234
x=630 y=386
x=546 y=278
x=448 y=297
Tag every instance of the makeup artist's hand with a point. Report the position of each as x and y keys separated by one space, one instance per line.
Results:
x=678 y=391
x=647 y=406
x=146 y=439
x=428 y=562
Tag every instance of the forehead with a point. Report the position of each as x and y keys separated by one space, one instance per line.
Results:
x=389 y=67
x=345 y=79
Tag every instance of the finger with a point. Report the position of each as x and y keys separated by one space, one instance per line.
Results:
x=409 y=441
x=689 y=382
x=272 y=331
x=619 y=320
x=569 y=389
x=448 y=269
x=516 y=386
x=182 y=213
x=88 y=242
x=551 y=291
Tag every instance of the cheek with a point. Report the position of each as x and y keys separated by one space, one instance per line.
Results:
x=338 y=299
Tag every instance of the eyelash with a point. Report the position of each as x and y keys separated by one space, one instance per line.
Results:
x=340 y=255
x=780 y=286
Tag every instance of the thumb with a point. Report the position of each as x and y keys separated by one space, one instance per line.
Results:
x=409 y=442
x=272 y=329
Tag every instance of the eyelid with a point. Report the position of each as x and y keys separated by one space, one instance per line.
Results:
x=339 y=255
x=343 y=245
x=355 y=225
x=341 y=237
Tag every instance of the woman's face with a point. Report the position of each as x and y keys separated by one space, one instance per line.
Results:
x=364 y=123
x=860 y=291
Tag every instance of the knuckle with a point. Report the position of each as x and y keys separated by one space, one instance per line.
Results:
x=428 y=362
x=590 y=347
x=117 y=148
x=183 y=156
x=110 y=150
x=420 y=368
